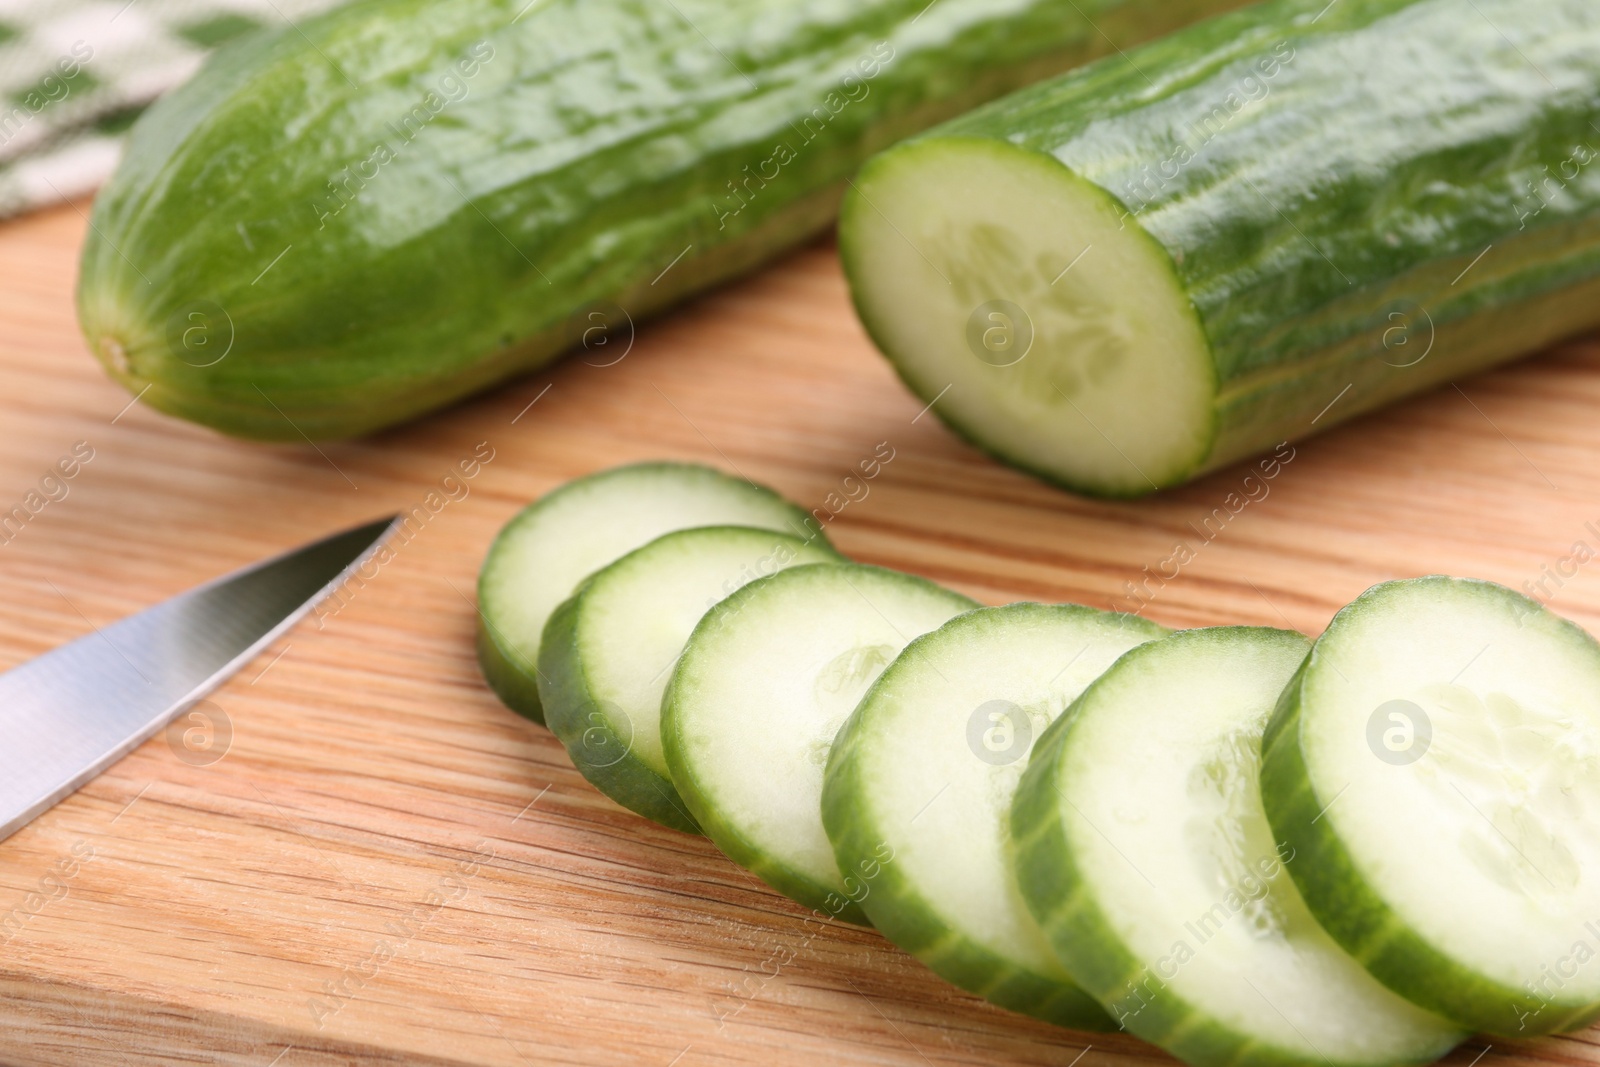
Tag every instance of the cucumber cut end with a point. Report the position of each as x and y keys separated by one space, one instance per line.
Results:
x=1032 y=312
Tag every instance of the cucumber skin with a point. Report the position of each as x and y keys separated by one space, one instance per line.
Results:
x=914 y=925
x=565 y=692
x=593 y=145
x=1349 y=909
x=821 y=899
x=1287 y=331
x=516 y=687
x=1072 y=918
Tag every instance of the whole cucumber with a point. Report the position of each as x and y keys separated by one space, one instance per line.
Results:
x=337 y=226
x=1241 y=234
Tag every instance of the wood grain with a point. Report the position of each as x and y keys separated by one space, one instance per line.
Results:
x=389 y=867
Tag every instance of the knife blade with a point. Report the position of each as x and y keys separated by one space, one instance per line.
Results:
x=70 y=713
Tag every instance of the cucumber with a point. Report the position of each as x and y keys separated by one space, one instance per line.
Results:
x=1142 y=849
x=768 y=678
x=926 y=768
x=608 y=651
x=1435 y=765
x=1238 y=235
x=554 y=543
x=342 y=224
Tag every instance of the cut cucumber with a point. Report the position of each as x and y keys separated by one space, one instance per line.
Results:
x=553 y=544
x=1436 y=767
x=608 y=651
x=1226 y=239
x=1143 y=850
x=924 y=772
x=766 y=681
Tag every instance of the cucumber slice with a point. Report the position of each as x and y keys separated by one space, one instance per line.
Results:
x=766 y=681
x=1436 y=767
x=1143 y=850
x=609 y=650
x=924 y=772
x=554 y=543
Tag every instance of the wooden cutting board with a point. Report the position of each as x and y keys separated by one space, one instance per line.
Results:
x=386 y=866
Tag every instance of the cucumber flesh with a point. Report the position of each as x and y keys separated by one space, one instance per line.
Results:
x=557 y=541
x=766 y=681
x=925 y=771
x=1436 y=765
x=1143 y=850
x=1091 y=371
x=607 y=653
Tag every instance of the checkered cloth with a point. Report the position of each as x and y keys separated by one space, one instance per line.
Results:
x=74 y=74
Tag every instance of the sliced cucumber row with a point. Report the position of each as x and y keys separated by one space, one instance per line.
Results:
x=1248 y=849
x=553 y=544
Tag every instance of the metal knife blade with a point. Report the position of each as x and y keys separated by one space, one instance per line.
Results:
x=69 y=714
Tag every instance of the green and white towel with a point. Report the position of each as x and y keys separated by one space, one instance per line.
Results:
x=74 y=74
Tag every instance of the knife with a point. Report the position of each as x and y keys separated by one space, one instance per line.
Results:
x=69 y=714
